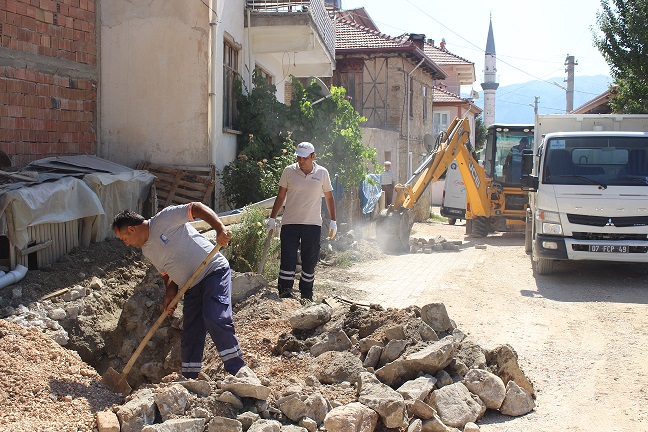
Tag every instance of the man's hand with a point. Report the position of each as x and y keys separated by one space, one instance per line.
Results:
x=171 y=292
x=224 y=238
x=332 y=229
x=272 y=224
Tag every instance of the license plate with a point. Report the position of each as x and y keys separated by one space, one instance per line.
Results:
x=607 y=248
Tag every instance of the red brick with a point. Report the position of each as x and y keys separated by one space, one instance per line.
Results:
x=48 y=5
x=12 y=6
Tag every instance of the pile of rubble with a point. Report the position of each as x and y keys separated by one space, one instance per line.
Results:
x=421 y=374
x=435 y=244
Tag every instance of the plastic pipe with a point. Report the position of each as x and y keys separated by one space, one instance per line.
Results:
x=13 y=276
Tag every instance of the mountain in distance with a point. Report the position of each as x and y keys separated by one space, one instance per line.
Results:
x=514 y=103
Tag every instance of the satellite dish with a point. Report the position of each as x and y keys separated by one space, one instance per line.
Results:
x=324 y=90
x=428 y=141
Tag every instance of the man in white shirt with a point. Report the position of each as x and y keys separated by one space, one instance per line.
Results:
x=301 y=186
x=387 y=183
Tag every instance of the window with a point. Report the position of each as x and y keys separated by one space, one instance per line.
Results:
x=425 y=103
x=230 y=74
x=440 y=122
x=262 y=73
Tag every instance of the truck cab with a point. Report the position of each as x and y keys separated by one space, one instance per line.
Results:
x=588 y=197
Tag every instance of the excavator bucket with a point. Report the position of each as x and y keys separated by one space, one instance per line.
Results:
x=393 y=228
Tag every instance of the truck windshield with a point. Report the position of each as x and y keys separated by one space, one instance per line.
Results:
x=604 y=161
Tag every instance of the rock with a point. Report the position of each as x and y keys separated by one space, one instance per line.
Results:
x=392 y=351
x=395 y=332
x=505 y=359
x=488 y=386
x=430 y=359
x=415 y=426
x=293 y=428
x=309 y=424
x=456 y=406
x=96 y=283
x=436 y=316
x=57 y=314
x=425 y=332
x=171 y=401
x=387 y=402
x=471 y=427
x=199 y=387
x=178 y=425
x=224 y=424
x=153 y=371
x=138 y=412
x=418 y=388
x=434 y=424
x=418 y=408
x=247 y=418
x=230 y=398
x=265 y=426
x=333 y=341
x=354 y=417
x=245 y=285
x=365 y=344
x=107 y=421
x=310 y=317
x=517 y=402
x=335 y=367
x=373 y=356
x=471 y=354
x=443 y=379
x=245 y=384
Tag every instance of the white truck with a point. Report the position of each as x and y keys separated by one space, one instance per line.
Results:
x=587 y=179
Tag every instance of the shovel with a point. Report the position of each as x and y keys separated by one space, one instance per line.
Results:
x=116 y=381
x=265 y=251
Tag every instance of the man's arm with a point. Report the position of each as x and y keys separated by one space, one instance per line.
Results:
x=330 y=204
x=281 y=197
x=200 y=210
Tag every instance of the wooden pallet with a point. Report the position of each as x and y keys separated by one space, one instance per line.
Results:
x=181 y=184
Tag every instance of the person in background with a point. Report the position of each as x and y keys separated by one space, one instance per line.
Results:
x=301 y=187
x=176 y=250
x=512 y=168
x=387 y=183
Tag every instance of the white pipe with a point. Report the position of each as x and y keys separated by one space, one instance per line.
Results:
x=213 y=33
x=2 y=273
x=13 y=276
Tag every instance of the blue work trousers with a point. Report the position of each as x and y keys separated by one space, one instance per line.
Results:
x=293 y=237
x=208 y=309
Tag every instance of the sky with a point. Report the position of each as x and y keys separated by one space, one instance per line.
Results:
x=532 y=38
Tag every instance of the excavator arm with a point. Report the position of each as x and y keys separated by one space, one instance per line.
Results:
x=396 y=222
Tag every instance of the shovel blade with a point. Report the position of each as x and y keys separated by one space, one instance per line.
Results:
x=116 y=382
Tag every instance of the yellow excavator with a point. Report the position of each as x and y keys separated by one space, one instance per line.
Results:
x=490 y=205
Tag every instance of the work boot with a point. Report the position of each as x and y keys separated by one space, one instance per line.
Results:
x=285 y=292
x=305 y=301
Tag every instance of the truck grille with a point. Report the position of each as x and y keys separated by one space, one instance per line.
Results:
x=600 y=221
x=607 y=236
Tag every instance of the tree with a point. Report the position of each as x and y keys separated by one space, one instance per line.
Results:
x=480 y=133
x=624 y=45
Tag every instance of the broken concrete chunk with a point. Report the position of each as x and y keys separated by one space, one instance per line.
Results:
x=224 y=424
x=178 y=425
x=418 y=388
x=392 y=351
x=373 y=356
x=505 y=360
x=245 y=384
x=517 y=402
x=395 y=332
x=107 y=421
x=199 y=387
x=436 y=316
x=171 y=401
x=310 y=317
x=138 y=412
x=335 y=367
x=354 y=417
x=387 y=402
x=488 y=386
x=333 y=341
x=456 y=406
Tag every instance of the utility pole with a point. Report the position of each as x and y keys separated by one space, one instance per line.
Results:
x=570 y=63
x=535 y=105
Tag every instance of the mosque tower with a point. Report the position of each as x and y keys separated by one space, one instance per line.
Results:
x=489 y=85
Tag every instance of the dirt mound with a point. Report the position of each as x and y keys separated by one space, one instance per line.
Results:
x=46 y=387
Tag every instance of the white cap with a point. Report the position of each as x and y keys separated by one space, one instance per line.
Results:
x=387 y=163
x=304 y=149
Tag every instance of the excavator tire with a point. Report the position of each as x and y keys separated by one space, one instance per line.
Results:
x=480 y=226
x=393 y=228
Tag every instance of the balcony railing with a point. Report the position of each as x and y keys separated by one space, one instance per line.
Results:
x=316 y=9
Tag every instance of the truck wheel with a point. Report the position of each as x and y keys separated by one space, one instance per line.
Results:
x=480 y=226
x=452 y=221
x=544 y=266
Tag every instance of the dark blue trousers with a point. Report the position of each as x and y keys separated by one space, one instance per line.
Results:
x=208 y=309
x=292 y=237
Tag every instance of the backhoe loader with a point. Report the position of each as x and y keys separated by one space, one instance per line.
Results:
x=490 y=205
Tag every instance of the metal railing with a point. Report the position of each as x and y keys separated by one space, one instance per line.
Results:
x=316 y=9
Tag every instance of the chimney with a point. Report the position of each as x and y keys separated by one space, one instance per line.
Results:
x=417 y=39
x=430 y=42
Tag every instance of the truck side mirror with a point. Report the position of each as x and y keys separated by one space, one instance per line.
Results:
x=529 y=182
x=527 y=161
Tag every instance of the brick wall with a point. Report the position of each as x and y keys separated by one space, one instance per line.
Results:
x=48 y=78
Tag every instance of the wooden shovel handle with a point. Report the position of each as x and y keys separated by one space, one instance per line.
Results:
x=173 y=302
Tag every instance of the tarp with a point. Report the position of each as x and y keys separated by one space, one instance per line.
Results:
x=370 y=193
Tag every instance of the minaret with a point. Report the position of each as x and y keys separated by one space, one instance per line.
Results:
x=489 y=85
